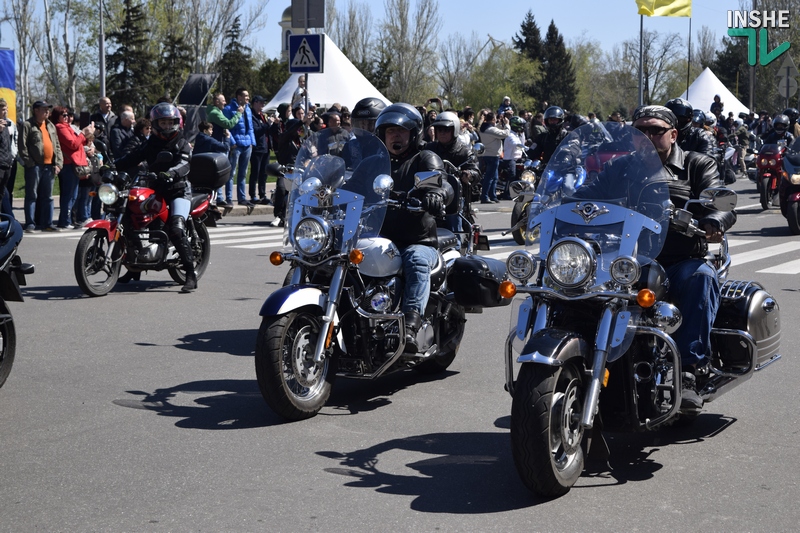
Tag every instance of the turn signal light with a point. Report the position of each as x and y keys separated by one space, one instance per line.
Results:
x=646 y=298
x=276 y=258
x=356 y=256
x=605 y=378
x=92 y=193
x=507 y=289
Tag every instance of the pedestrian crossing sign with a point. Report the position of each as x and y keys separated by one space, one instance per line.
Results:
x=305 y=53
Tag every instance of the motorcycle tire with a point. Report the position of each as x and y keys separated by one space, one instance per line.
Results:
x=8 y=343
x=450 y=334
x=546 y=432
x=201 y=247
x=793 y=217
x=517 y=212
x=95 y=272
x=765 y=195
x=291 y=383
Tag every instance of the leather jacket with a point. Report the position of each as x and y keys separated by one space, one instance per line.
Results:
x=546 y=144
x=457 y=153
x=177 y=168
x=697 y=140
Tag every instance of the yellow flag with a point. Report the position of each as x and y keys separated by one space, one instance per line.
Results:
x=665 y=8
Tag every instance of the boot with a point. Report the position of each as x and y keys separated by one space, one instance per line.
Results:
x=691 y=402
x=413 y=323
x=191 y=282
x=129 y=276
x=187 y=258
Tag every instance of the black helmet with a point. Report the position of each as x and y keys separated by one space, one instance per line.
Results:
x=792 y=113
x=576 y=121
x=554 y=112
x=402 y=115
x=365 y=112
x=683 y=112
x=780 y=123
x=698 y=117
x=165 y=110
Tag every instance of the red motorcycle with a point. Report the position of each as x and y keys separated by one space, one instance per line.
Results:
x=133 y=232
x=769 y=165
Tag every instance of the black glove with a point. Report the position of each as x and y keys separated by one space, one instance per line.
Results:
x=165 y=177
x=433 y=203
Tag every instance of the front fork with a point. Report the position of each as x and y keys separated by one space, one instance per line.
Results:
x=598 y=365
x=334 y=292
x=117 y=233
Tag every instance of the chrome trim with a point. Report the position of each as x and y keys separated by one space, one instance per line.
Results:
x=601 y=345
x=677 y=385
x=400 y=317
x=548 y=292
x=769 y=362
x=536 y=357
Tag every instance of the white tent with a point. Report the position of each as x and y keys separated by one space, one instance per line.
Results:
x=340 y=82
x=703 y=89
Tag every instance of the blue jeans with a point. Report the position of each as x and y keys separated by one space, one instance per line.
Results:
x=694 y=290
x=68 y=181
x=490 y=179
x=39 y=196
x=239 y=157
x=418 y=261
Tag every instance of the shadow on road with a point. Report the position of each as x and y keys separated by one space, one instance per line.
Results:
x=74 y=292
x=213 y=404
x=772 y=231
x=235 y=342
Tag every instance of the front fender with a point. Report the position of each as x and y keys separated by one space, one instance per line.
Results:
x=554 y=347
x=292 y=297
x=102 y=224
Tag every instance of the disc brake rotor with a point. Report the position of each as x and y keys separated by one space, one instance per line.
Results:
x=305 y=370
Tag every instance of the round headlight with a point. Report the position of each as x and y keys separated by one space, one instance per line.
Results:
x=527 y=175
x=521 y=265
x=772 y=162
x=312 y=236
x=570 y=263
x=625 y=270
x=107 y=193
x=310 y=185
x=795 y=179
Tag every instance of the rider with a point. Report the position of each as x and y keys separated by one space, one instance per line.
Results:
x=448 y=146
x=366 y=112
x=689 y=138
x=794 y=127
x=780 y=131
x=399 y=126
x=546 y=143
x=694 y=287
x=171 y=180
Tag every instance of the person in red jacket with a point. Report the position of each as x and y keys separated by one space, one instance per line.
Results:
x=72 y=143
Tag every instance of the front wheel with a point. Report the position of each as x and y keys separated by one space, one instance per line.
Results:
x=519 y=211
x=95 y=270
x=765 y=194
x=8 y=343
x=200 y=245
x=793 y=217
x=292 y=384
x=546 y=430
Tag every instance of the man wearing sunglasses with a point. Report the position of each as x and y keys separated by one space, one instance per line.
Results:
x=694 y=287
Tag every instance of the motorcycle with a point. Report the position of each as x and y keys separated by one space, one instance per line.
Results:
x=340 y=315
x=12 y=275
x=769 y=165
x=592 y=336
x=789 y=190
x=133 y=232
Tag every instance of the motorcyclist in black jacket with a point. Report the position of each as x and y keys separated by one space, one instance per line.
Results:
x=780 y=131
x=546 y=143
x=171 y=180
x=448 y=146
x=399 y=126
x=689 y=139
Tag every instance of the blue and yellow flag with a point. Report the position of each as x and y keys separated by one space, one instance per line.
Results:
x=8 y=84
x=665 y=8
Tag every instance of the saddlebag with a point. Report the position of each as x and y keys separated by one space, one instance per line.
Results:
x=209 y=170
x=746 y=306
x=475 y=281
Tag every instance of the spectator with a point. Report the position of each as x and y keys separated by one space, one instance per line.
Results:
x=141 y=132
x=259 y=159
x=505 y=106
x=222 y=123
x=242 y=140
x=103 y=119
x=75 y=163
x=288 y=148
x=513 y=145
x=8 y=176
x=763 y=125
x=205 y=143
x=717 y=106
x=537 y=125
x=82 y=208
x=121 y=131
x=41 y=156
x=300 y=95
x=492 y=137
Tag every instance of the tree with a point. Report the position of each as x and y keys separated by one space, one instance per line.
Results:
x=529 y=43
x=270 y=77
x=500 y=71
x=236 y=64
x=457 y=57
x=131 y=66
x=20 y=14
x=660 y=68
x=587 y=58
x=558 y=83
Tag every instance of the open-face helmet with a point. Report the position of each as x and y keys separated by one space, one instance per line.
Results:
x=402 y=115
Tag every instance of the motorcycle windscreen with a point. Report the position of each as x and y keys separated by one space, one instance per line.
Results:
x=340 y=188
x=636 y=182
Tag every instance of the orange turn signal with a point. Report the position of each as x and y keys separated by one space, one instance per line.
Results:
x=646 y=298
x=329 y=337
x=276 y=258
x=356 y=256
x=507 y=289
x=92 y=193
x=605 y=378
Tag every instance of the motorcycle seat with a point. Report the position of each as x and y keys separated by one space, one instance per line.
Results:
x=198 y=199
x=447 y=239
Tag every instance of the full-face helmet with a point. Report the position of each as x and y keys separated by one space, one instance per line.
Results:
x=365 y=113
x=517 y=124
x=402 y=115
x=780 y=123
x=165 y=110
x=556 y=113
x=683 y=112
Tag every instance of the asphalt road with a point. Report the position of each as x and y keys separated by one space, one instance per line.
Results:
x=139 y=411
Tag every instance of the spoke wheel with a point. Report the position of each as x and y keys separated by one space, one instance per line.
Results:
x=95 y=271
x=201 y=249
x=546 y=434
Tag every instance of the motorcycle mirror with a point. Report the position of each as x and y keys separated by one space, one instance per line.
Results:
x=721 y=198
x=382 y=184
x=274 y=169
x=536 y=164
x=164 y=157
x=478 y=148
x=428 y=179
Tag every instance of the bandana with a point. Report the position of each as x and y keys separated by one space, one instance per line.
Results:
x=655 y=111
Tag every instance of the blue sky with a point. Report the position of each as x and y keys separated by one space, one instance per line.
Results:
x=607 y=21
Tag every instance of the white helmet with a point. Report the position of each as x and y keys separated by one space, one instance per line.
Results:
x=448 y=119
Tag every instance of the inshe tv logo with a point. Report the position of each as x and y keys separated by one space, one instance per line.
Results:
x=745 y=24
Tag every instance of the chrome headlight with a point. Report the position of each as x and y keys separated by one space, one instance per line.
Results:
x=108 y=194
x=312 y=236
x=625 y=270
x=310 y=185
x=795 y=179
x=527 y=175
x=521 y=265
x=571 y=263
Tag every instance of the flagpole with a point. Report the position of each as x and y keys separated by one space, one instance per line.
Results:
x=689 y=64
x=641 y=59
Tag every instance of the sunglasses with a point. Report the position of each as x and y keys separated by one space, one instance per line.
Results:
x=653 y=131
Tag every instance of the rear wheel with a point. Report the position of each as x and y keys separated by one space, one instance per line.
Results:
x=546 y=430
x=519 y=211
x=8 y=343
x=95 y=271
x=201 y=249
x=292 y=384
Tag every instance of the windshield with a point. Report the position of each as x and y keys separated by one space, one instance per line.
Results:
x=339 y=187
x=598 y=210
